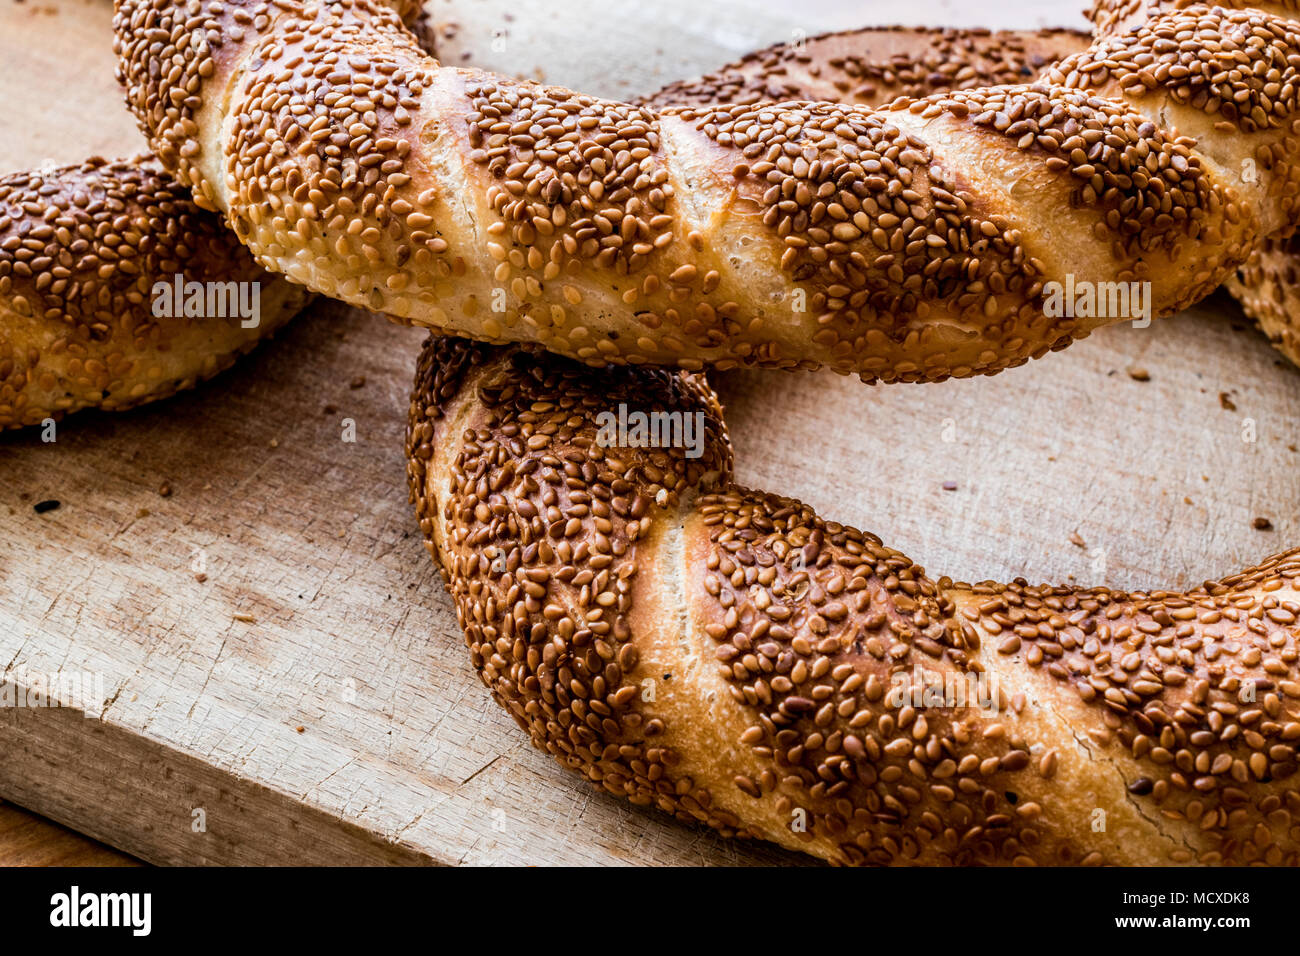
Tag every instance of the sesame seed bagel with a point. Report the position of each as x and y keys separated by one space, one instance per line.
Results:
x=732 y=658
x=875 y=66
x=1119 y=16
x=81 y=249
x=904 y=244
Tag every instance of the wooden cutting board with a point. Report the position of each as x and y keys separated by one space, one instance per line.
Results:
x=312 y=697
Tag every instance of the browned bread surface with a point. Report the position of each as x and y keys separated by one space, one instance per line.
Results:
x=81 y=250
x=732 y=658
x=1266 y=287
x=904 y=244
x=876 y=65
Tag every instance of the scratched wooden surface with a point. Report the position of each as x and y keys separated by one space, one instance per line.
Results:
x=310 y=700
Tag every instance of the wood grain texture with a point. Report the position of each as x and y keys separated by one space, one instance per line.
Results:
x=29 y=840
x=312 y=694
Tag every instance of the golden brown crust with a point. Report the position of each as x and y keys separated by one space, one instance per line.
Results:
x=1191 y=698
x=732 y=658
x=770 y=641
x=1268 y=288
x=81 y=249
x=1116 y=16
x=561 y=554
x=876 y=65
x=906 y=244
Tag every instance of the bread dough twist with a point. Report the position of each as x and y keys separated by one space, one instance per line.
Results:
x=87 y=254
x=82 y=249
x=874 y=66
x=732 y=658
x=912 y=243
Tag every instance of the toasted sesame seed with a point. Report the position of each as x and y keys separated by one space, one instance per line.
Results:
x=879 y=229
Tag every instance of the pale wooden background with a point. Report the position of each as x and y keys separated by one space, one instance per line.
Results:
x=345 y=724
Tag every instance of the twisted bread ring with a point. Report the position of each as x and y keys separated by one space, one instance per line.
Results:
x=62 y=359
x=501 y=485
x=877 y=65
x=81 y=250
x=82 y=340
x=732 y=658
x=874 y=65
x=906 y=244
